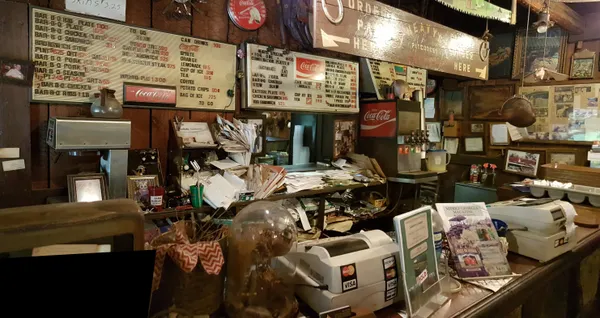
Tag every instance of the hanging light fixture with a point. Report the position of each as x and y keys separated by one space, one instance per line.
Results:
x=543 y=23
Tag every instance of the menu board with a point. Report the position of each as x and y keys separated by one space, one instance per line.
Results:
x=276 y=79
x=76 y=56
x=384 y=73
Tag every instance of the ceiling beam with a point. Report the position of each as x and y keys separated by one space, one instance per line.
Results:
x=560 y=13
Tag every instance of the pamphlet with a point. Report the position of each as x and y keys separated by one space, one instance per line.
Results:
x=473 y=240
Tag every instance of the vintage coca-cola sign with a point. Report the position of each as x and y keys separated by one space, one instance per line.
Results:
x=143 y=94
x=310 y=69
x=248 y=15
x=378 y=120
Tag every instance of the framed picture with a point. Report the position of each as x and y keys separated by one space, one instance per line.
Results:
x=17 y=72
x=88 y=187
x=583 y=64
x=522 y=162
x=485 y=102
x=477 y=128
x=451 y=101
x=138 y=188
x=563 y=157
x=435 y=131
x=501 y=55
x=474 y=144
x=543 y=49
x=345 y=136
x=259 y=123
x=451 y=145
x=499 y=134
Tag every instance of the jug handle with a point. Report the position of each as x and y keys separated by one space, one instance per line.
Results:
x=449 y=157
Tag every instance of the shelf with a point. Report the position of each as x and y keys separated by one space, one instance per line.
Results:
x=168 y=213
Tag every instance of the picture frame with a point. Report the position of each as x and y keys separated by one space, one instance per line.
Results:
x=485 y=101
x=452 y=101
x=548 y=49
x=138 y=188
x=474 y=144
x=18 y=72
x=477 y=128
x=451 y=145
x=345 y=136
x=87 y=187
x=583 y=65
x=522 y=162
x=564 y=157
x=499 y=135
x=502 y=48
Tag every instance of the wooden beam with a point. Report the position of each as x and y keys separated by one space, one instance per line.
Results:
x=560 y=13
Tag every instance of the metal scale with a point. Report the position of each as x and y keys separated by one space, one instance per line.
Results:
x=112 y=137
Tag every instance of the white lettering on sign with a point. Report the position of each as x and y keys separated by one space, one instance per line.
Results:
x=110 y=9
x=381 y=115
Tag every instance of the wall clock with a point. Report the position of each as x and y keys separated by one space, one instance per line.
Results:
x=248 y=15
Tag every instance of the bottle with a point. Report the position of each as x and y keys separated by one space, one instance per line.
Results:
x=438 y=231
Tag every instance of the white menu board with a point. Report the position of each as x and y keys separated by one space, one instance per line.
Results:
x=291 y=81
x=384 y=73
x=76 y=56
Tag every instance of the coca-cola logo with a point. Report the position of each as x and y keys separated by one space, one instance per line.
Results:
x=378 y=115
x=151 y=95
x=310 y=69
x=154 y=94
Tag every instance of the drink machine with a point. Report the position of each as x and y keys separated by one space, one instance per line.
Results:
x=390 y=131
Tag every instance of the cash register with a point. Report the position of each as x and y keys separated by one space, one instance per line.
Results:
x=353 y=270
x=539 y=229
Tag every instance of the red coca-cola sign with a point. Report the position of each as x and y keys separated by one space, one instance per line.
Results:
x=310 y=69
x=247 y=15
x=140 y=94
x=378 y=120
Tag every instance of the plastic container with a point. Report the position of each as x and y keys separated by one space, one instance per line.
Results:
x=556 y=194
x=261 y=231
x=436 y=160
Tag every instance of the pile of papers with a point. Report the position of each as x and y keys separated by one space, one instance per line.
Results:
x=265 y=179
x=299 y=181
x=338 y=175
x=237 y=139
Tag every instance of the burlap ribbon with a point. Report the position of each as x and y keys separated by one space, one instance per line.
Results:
x=186 y=256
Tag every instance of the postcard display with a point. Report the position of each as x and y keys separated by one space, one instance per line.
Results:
x=75 y=56
x=564 y=112
x=291 y=81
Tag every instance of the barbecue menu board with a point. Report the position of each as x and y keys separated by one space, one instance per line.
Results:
x=76 y=56
x=276 y=79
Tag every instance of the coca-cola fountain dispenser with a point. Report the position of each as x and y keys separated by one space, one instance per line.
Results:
x=385 y=128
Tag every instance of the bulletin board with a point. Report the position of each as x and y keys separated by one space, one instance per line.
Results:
x=564 y=112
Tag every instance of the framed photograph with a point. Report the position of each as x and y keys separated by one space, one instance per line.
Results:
x=138 y=188
x=522 y=162
x=259 y=123
x=451 y=101
x=451 y=145
x=17 y=72
x=474 y=144
x=87 y=187
x=583 y=64
x=477 y=128
x=485 y=102
x=563 y=157
x=345 y=136
x=543 y=49
x=501 y=55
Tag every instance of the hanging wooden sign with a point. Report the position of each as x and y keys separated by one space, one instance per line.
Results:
x=75 y=56
x=374 y=30
x=291 y=81
x=248 y=15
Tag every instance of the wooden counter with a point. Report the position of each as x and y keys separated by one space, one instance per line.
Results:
x=564 y=287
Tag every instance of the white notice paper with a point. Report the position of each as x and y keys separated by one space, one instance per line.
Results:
x=8 y=153
x=429 y=106
x=499 y=134
x=451 y=145
x=12 y=165
x=474 y=144
x=435 y=134
x=517 y=133
x=110 y=9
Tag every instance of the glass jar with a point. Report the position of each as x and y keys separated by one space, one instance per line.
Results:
x=261 y=231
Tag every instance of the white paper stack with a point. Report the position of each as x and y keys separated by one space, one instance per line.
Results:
x=265 y=179
x=218 y=192
x=299 y=181
x=237 y=139
x=338 y=175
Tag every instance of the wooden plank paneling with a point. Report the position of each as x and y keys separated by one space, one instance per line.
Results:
x=270 y=33
x=40 y=152
x=236 y=35
x=139 y=12
x=212 y=22
x=160 y=132
x=140 y=127
x=162 y=23
x=15 y=186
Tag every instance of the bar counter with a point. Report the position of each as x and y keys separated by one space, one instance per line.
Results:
x=564 y=287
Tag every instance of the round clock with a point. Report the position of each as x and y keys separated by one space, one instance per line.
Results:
x=248 y=15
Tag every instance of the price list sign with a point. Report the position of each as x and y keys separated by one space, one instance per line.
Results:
x=75 y=57
x=291 y=81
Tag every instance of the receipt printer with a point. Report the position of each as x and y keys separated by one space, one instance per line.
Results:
x=360 y=270
x=541 y=230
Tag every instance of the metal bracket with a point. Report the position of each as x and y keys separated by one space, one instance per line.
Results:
x=340 y=16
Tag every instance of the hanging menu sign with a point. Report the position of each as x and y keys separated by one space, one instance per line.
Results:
x=276 y=79
x=74 y=57
x=383 y=74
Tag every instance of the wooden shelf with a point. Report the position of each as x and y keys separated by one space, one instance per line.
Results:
x=168 y=213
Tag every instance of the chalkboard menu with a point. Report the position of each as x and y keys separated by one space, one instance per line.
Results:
x=75 y=56
x=291 y=81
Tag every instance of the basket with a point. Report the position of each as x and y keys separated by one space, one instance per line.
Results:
x=188 y=294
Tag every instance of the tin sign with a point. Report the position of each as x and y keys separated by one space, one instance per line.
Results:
x=378 y=119
x=248 y=15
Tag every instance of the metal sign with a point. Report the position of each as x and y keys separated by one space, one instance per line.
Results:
x=372 y=29
x=248 y=15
